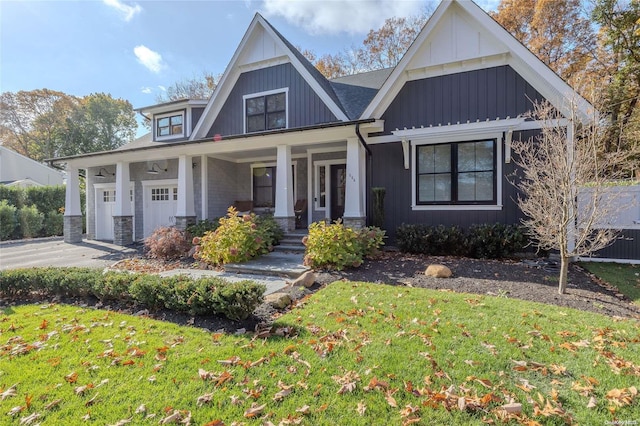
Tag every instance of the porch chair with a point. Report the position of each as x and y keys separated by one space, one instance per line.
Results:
x=244 y=206
x=299 y=209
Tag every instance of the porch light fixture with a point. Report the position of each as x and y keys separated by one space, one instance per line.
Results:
x=155 y=169
x=101 y=175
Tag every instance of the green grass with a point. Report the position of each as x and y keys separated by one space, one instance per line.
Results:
x=352 y=354
x=625 y=277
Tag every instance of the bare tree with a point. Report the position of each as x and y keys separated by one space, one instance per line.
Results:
x=563 y=179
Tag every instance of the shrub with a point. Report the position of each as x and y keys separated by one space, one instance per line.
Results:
x=202 y=227
x=7 y=220
x=53 y=224
x=113 y=286
x=237 y=239
x=15 y=196
x=167 y=243
x=336 y=246
x=378 y=206
x=45 y=198
x=272 y=232
x=30 y=220
x=495 y=241
x=237 y=300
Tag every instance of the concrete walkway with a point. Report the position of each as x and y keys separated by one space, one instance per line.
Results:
x=272 y=270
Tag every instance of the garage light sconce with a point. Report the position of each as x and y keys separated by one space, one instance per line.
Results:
x=155 y=169
x=101 y=175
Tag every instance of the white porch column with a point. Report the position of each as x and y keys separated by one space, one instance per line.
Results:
x=284 y=214
x=122 y=214
x=72 y=210
x=354 y=209
x=204 y=186
x=185 y=212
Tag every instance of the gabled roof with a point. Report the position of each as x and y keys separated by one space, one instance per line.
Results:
x=263 y=46
x=459 y=37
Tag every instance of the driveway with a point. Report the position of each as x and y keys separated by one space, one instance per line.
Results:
x=55 y=252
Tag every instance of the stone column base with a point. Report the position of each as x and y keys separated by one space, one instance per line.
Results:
x=122 y=230
x=287 y=223
x=72 y=229
x=354 y=222
x=182 y=222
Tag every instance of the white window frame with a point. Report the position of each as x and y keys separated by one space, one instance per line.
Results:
x=157 y=118
x=284 y=90
x=453 y=138
x=274 y=164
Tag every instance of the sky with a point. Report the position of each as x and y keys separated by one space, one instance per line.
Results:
x=135 y=49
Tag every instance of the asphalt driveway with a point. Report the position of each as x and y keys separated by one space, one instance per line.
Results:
x=55 y=252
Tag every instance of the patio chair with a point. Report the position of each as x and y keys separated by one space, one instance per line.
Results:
x=299 y=209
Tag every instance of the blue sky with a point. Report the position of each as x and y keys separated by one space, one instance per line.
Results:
x=134 y=49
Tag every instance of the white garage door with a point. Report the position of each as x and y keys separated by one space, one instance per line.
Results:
x=105 y=205
x=160 y=206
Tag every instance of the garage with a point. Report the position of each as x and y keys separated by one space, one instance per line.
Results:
x=105 y=206
x=160 y=204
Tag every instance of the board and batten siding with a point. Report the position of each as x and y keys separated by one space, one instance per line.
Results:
x=467 y=96
x=305 y=108
x=626 y=247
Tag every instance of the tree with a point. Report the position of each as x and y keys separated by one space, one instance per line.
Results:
x=99 y=123
x=563 y=186
x=196 y=87
x=32 y=122
x=556 y=31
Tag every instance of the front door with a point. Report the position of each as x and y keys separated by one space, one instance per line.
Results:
x=338 y=184
x=160 y=206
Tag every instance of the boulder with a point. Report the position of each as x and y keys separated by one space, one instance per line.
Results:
x=307 y=280
x=438 y=271
x=278 y=300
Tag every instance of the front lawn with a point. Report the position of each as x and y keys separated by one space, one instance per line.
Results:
x=353 y=353
x=625 y=278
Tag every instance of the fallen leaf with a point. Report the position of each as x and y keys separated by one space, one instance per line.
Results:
x=122 y=422
x=52 y=404
x=305 y=409
x=9 y=392
x=390 y=399
x=172 y=418
x=141 y=409
x=254 y=410
x=204 y=399
x=282 y=394
x=15 y=411
x=29 y=419
x=593 y=402
x=71 y=377
x=361 y=408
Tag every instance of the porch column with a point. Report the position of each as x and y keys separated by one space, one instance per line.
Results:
x=354 y=209
x=204 y=185
x=72 y=210
x=284 y=214
x=185 y=212
x=122 y=214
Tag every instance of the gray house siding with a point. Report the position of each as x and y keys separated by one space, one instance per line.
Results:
x=305 y=107
x=469 y=96
x=222 y=189
x=626 y=247
x=196 y=113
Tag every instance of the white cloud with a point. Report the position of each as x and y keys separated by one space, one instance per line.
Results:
x=337 y=16
x=147 y=90
x=164 y=89
x=150 y=59
x=127 y=12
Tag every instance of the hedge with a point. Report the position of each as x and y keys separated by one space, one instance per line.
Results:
x=205 y=296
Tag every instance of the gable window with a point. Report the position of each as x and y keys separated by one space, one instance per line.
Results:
x=170 y=126
x=456 y=173
x=266 y=112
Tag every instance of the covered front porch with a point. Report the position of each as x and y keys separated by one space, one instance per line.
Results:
x=132 y=191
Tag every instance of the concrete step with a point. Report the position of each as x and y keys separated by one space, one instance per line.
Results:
x=273 y=264
x=290 y=247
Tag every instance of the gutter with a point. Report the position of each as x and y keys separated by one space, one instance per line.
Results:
x=361 y=139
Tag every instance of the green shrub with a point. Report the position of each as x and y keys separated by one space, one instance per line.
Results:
x=201 y=227
x=167 y=243
x=237 y=239
x=15 y=196
x=7 y=220
x=270 y=229
x=237 y=300
x=149 y=290
x=30 y=220
x=479 y=241
x=46 y=198
x=53 y=224
x=336 y=246
x=113 y=286
x=494 y=241
x=378 y=206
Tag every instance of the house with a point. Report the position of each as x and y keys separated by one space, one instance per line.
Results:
x=20 y=171
x=435 y=131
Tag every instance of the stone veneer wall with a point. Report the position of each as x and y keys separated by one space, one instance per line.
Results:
x=122 y=230
x=72 y=229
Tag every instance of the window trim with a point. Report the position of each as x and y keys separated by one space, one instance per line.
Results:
x=284 y=90
x=159 y=117
x=294 y=164
x=452 y=139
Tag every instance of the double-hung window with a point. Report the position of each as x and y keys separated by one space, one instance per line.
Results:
x=170 y=125
x=266 y=112
x=456 y=173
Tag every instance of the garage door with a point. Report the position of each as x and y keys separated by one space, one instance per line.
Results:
x=105 y=206
x=160 y=206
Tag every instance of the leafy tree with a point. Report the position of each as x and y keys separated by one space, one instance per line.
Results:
x=196 y=87
x=564 y=185
x=556 y=31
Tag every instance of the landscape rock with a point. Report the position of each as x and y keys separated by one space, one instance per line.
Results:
x=278 y=300
x=307 y=280
x=438 y=271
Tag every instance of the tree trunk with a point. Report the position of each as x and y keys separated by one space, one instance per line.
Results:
x=564 y=270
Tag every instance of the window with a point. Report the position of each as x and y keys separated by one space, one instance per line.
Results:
x=456 y=173
x=264 y=188
x=159 y=194
x=169 y=126
x=109 y=196
x=266 y=112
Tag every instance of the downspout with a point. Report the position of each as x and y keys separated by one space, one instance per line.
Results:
x=369 y=175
